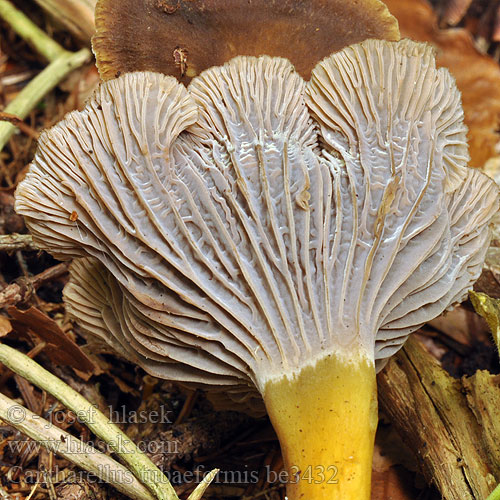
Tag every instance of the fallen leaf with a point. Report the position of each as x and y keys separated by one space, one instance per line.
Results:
x=477 y=75
x=462 y=325
x=451 y=12
x=394 y=484
x=60 y=348
x=5 y=326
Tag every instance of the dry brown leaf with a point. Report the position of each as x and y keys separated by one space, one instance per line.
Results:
x=393 y=484
x=462 y=325
x=5 y=326
x=60 y=348
x=477 y=75
x=451 y=12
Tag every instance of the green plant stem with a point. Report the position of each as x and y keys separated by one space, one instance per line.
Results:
x=43 y=83
x=495 y=494
x=205 y=483
x=30 y=32
x=62 y=62
x=96 y=421
x=77 y=452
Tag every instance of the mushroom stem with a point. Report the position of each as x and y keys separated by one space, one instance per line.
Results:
x=325 y=418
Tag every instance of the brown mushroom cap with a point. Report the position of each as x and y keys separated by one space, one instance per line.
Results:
x=184 y=37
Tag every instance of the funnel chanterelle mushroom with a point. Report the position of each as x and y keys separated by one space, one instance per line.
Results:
x=259 y=231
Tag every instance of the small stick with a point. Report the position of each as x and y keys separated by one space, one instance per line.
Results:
x=14 y=242
x=16 y=121
x=49 y=274
x=77 y=452
x=32 y=353
x=187 y=407
x=76 y=16
x=204 y=484
x=22 y=289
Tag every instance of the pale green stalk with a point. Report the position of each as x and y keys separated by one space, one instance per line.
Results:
x=30 y=32
x=97 y=422
x=77 y=452
x=495 y=494
x=62 y=62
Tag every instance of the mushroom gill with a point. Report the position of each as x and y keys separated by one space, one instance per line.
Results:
x=259 y=232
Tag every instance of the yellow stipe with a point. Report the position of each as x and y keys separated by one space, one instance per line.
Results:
x=325 y=418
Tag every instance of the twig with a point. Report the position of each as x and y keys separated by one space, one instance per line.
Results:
x=21 y=77
x=61 y=64
x=32 y=353
x=430 y=411
x=97 y=422
x=48 y=477
x=187 y=407
x=77 y=452
x=16 y=121
x=49 y=274
x=22 y=289
x=32 y=492
x=14 y=242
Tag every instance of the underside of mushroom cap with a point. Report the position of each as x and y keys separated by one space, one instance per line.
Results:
x=184 y=37
x=254 y=223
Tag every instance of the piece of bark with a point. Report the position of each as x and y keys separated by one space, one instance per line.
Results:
x=27 y=390
x=81 y=489
x=15 y=242
x=483 y=397
x=5 y=326
x=10 y=222
x=198 y=436
x=430 y=411
x=489 y=281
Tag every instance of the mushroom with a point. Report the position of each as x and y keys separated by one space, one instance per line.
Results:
x=259 y=234
x=184 y=37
